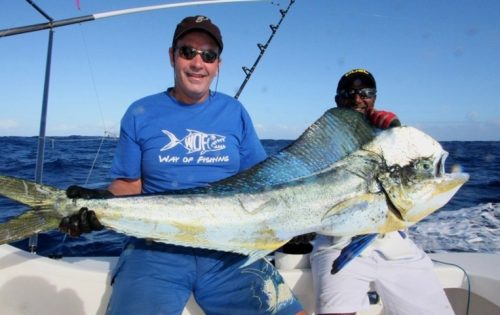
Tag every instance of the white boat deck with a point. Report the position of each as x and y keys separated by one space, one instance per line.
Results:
x=31 y=284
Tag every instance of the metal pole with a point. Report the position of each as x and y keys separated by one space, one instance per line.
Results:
x=33 y=241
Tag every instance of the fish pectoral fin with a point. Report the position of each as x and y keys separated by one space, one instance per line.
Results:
x=27 y=224
x=352 y=250
x=361 y=214
x=358 y=203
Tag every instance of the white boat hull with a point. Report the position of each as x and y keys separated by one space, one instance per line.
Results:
x=31 y=284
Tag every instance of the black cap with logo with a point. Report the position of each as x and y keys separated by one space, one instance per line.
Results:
x=356 y=78
x=201 y=23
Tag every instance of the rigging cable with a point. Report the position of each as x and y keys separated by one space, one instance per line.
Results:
x=262 y=48
x=466 y=276
x=99 y=103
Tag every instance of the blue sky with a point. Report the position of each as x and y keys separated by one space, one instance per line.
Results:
x=436 y=63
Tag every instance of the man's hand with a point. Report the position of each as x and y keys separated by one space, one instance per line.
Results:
x=382 y=119
x=84 y=221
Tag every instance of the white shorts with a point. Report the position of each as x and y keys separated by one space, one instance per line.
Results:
x=406 y=286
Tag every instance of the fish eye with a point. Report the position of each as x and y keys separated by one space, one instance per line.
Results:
x=426 y=165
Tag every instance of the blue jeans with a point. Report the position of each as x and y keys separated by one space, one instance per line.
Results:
x=155 y=278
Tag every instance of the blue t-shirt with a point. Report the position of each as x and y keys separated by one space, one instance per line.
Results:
x=170 y=145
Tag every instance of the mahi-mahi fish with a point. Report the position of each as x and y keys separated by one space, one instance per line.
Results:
x=340 y=177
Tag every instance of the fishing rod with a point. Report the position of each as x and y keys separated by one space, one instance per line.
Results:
x=262 y=48
x=86 y=18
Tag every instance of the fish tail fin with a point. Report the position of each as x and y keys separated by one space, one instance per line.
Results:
x=173 y=140
x=29 y=193
x=39 y=219
x=27 y=224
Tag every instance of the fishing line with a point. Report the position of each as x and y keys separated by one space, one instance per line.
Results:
x=57 y=253
x=99 y=104
x=92 y=76
x=466 y=276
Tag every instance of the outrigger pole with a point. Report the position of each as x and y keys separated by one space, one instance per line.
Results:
x=33 y=240
x=86 y=18
x=262 y=48
x=51 y=24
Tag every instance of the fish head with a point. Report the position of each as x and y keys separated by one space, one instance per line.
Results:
x=414 y=177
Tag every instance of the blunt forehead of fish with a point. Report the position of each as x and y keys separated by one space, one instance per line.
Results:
x=401 y=145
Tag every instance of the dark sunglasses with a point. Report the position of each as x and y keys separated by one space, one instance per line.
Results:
x=208 y=56
x=363 y=93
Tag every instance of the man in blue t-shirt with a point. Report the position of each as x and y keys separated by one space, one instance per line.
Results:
x=187 y=136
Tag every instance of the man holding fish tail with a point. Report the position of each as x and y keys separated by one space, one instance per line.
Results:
x=187 y=136
x=402 y=273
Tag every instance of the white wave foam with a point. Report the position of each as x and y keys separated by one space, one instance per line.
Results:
x=474 y=229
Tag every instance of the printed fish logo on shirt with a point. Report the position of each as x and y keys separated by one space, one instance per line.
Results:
x=196 y=141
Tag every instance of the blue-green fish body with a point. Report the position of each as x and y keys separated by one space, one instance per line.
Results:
x=341 y=177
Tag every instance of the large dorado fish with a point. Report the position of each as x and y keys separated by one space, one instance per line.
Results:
x=341 y=177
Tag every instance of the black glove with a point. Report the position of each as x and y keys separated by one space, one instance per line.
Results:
x=87 y=193
x=300 y=244
x=84 y=221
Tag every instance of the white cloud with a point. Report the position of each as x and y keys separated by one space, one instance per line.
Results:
x=8 y=124
x=472 y=116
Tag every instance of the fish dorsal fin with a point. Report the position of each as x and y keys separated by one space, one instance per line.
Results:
x=336 y=134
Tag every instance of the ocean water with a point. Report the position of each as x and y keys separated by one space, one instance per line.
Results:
x=470 y=222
